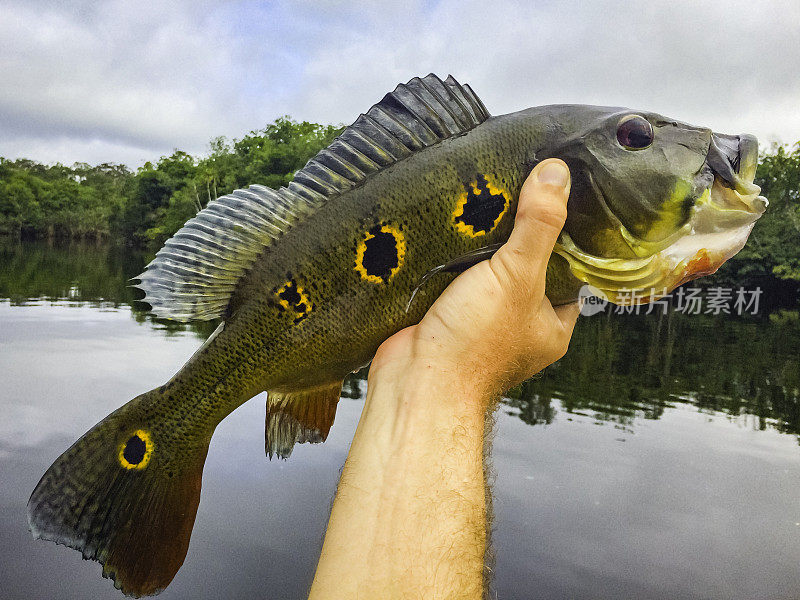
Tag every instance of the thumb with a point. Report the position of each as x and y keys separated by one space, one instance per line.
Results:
x=541 y=213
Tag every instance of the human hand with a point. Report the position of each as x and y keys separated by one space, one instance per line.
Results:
x=493 y=327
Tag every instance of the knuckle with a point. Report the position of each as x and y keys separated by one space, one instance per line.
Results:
x=508 y=271
x=552 y=214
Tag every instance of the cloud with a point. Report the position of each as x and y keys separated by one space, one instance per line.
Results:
x=728 y=65
x=121 y=81
x=157 y=76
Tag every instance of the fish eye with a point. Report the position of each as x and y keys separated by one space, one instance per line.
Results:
x=635 y=132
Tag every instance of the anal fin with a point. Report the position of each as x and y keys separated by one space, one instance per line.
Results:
x=299 y=417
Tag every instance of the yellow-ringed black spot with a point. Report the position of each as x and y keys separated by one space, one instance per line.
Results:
x=292 y=297
x=380 y=253
x=481 y=206
x=135 y=451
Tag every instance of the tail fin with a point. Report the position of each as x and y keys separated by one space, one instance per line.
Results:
x=126 y=495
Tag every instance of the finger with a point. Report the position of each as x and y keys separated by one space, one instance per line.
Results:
x=568 y=315
x=541 y=213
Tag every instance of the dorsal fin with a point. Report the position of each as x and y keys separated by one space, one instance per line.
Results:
x=195 y=273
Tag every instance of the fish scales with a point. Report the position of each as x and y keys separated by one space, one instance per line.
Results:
x=262 y=344
x=310 y=279
x=418 y=198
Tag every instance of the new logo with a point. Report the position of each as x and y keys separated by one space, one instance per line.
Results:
x=592 y=300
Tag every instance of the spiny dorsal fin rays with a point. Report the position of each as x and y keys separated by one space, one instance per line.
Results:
x=303 y=194
x=194 y=275
x=352 y=159
x=437 y=114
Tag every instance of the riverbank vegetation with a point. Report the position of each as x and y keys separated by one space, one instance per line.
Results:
x=144 y=207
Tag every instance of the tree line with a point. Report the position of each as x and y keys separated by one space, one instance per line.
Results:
x=146 y=206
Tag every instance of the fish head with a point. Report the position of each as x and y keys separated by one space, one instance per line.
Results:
x=654 y=202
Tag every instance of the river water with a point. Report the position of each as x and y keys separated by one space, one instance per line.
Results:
x=658 y=459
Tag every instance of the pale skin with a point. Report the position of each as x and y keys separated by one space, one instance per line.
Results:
x=410 y=515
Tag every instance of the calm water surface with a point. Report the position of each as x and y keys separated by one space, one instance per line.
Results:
x=658 y=459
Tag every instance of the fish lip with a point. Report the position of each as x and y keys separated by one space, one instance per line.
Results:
x=731 y=202
x=733 y=159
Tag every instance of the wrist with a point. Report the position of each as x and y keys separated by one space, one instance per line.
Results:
x=432 y=383
x=414 y=399
x=423 y=370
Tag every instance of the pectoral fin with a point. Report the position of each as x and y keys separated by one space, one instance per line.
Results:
x=457 y=265
x=299 y=417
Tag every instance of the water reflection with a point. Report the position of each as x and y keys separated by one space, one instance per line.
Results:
x=619 y=368
x=80 y=273
x=622 y=367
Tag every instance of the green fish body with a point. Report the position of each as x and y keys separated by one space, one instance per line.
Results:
x=310 y=279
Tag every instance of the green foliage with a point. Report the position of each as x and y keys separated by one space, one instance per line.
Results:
x=272 y=155
x=146 y=207
x=57 y=200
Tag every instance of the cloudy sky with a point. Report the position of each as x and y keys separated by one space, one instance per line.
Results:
x=129 y=81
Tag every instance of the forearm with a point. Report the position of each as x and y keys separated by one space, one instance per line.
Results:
x=397 y=530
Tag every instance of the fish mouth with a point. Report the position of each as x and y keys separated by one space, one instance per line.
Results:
x=718 y=227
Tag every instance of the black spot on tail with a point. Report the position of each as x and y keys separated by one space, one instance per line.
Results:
x=380 y=253
x=135 y=449
x=107 y=497
x=482 y=208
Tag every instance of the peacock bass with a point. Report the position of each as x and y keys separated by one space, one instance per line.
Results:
x=309 y=279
